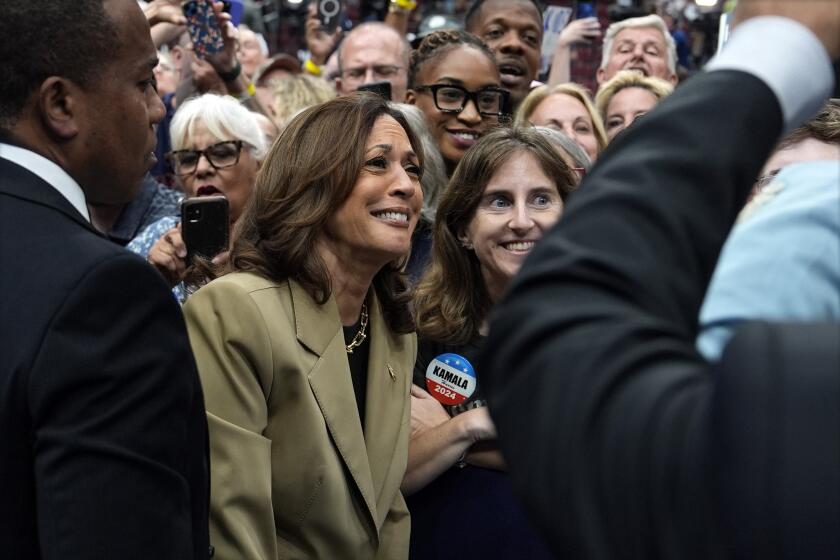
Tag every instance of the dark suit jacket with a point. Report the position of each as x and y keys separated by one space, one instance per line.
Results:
x=622 y=440
x=103 y=438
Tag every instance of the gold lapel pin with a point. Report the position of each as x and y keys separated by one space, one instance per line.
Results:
x=391 y=371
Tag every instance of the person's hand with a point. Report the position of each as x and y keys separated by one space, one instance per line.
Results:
x=820 y=16
x=165 y=11
x=479 y=424
x=320 y=43
x=579 y=31
x=225 y=60
x=426 y=411
x=221 y=259
x=168 y=255
x=205 y=77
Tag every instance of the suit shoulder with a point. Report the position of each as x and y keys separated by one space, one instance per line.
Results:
x=244 y=291
x=244 y=282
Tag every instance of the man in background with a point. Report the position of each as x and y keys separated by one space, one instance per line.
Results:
x=513 y=29
x=373 y=52
x=643 y=44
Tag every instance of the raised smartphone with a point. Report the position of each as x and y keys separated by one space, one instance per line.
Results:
x=204 y=30
x=585 y=10
x=329 y=13
x=235 y=8
x=205 y=226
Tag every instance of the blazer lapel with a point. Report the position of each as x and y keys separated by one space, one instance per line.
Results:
x=387 y=400
x=319 y=329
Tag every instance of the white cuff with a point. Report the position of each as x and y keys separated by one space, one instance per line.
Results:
x=786 y=56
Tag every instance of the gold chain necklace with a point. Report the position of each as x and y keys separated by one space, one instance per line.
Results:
x=360 y=336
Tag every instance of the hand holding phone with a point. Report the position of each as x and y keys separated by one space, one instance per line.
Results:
x=168 y=256
x=319 y=41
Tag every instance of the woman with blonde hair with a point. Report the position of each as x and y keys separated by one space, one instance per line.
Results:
x=293 y=94
x=627 y=96
x=566 y=108
x=505 y=193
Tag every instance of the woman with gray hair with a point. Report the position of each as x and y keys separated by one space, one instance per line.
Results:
x=218 y=147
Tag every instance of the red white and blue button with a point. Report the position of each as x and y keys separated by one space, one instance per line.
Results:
x=450 y=378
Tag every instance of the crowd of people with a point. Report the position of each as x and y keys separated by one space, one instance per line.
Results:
x=457 y=313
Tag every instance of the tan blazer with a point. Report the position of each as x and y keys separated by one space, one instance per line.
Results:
x=292 y=473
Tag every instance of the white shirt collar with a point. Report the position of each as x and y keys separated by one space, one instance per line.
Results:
x=50 y=172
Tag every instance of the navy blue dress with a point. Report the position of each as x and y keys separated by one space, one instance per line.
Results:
x=470 y=512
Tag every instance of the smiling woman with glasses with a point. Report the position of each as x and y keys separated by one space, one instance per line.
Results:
x=454 y=80
x=218 y=149
x=489 y=101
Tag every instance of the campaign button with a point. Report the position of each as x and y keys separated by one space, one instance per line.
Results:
x=450 y=378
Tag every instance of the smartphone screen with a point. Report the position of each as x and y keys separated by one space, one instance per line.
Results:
x=203 y=28
x=205 y=226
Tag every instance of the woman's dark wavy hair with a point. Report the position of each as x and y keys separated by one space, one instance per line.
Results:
x=451 y=299
x=309 y=172
x=438 y=43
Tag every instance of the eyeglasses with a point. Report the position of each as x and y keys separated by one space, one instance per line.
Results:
x=490 y=101
x=221 y=155
x=382 y=72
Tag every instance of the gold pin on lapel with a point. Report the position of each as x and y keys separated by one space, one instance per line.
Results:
x=391 y=371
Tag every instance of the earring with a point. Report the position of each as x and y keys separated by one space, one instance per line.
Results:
x=467 y=245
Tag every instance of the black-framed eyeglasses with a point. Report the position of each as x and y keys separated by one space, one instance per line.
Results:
x=220 y=155
x=489 y=101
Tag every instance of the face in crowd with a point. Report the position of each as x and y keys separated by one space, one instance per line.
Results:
x=643 y=49
x=116 y=114
x=249 y=52
x=476 y=89
x=375 y=222
x=517 y=207
x=513 y=30
x=210 y=165
x=625 y=107
x=566 y=114
x=373 y=53
x=167 y=74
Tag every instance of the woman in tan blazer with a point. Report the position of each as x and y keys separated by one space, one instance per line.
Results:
x=305 y=346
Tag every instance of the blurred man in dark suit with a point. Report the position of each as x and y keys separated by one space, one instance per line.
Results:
x=103 y=441
x=623 y=441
